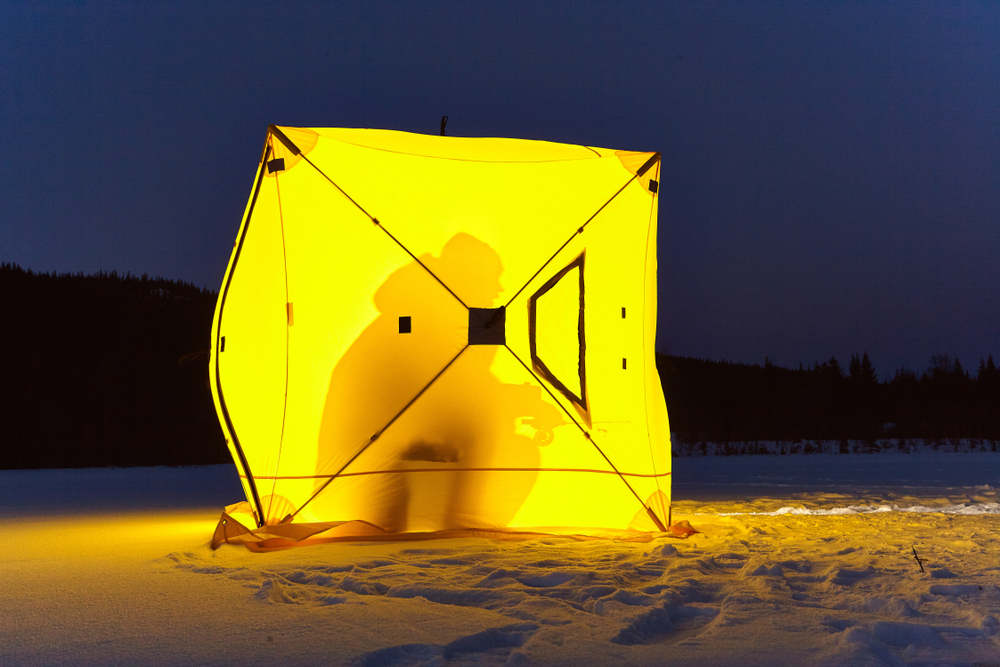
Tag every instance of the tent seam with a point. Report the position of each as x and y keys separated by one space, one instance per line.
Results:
x=645 y=388
x=408 y=470
x=459 y=159
x=284 y=407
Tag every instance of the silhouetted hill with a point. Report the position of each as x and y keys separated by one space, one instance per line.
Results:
x=90 y=371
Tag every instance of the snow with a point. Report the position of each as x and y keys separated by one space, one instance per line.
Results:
x=801 y=560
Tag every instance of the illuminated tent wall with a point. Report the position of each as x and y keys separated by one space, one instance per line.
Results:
x=427 y=333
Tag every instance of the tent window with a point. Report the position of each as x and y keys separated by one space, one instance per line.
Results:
x=404 y=324
x=653 y=185
x=276 y=165
x=557 y=334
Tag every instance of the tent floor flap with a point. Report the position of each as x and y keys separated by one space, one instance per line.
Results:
x=286 y=536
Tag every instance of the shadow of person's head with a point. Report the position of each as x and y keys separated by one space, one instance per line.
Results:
x=470 y=268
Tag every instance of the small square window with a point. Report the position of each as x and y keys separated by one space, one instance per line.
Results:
x=404 y=324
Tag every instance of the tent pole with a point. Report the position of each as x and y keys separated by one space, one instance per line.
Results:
x=255 y=496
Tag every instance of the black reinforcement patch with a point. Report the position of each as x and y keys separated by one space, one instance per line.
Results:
x=487 y=326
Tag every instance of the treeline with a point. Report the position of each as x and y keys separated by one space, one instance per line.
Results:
x=105 y=369
x=718 y=401
x=112 y=369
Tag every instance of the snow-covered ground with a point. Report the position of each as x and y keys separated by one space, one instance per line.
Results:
x=802 y=560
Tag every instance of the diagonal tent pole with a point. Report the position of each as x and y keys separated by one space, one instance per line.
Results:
x=295 y=150
x=374 y=437
x=642 y=170
x=586 y=434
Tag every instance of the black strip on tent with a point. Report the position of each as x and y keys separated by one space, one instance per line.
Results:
x=283 y=139
x=649 y=163
x=221 y=344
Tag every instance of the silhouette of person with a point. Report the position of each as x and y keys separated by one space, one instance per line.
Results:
x=430 y=466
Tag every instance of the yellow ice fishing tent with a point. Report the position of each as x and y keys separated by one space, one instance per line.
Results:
x=428 y=333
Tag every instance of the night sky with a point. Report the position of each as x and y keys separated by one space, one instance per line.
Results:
x=831 y=175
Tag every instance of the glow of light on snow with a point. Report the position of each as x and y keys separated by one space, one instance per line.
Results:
x=114 y=567
x=973 y=509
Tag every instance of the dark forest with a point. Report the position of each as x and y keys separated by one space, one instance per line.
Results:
x=718 y=401
x=106 y=369
x=112 y=370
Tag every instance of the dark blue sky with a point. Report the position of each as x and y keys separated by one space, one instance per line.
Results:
x=831 y=177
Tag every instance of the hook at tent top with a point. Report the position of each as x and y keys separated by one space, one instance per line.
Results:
x=444 y=121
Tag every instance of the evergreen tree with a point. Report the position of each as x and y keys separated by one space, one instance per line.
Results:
x=854 y=368
x=868 y=375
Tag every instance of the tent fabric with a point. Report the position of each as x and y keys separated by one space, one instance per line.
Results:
x=427 y=333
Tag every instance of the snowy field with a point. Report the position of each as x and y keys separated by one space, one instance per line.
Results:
x=801 y=560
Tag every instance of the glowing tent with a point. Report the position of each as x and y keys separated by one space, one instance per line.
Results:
x=427 y=333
